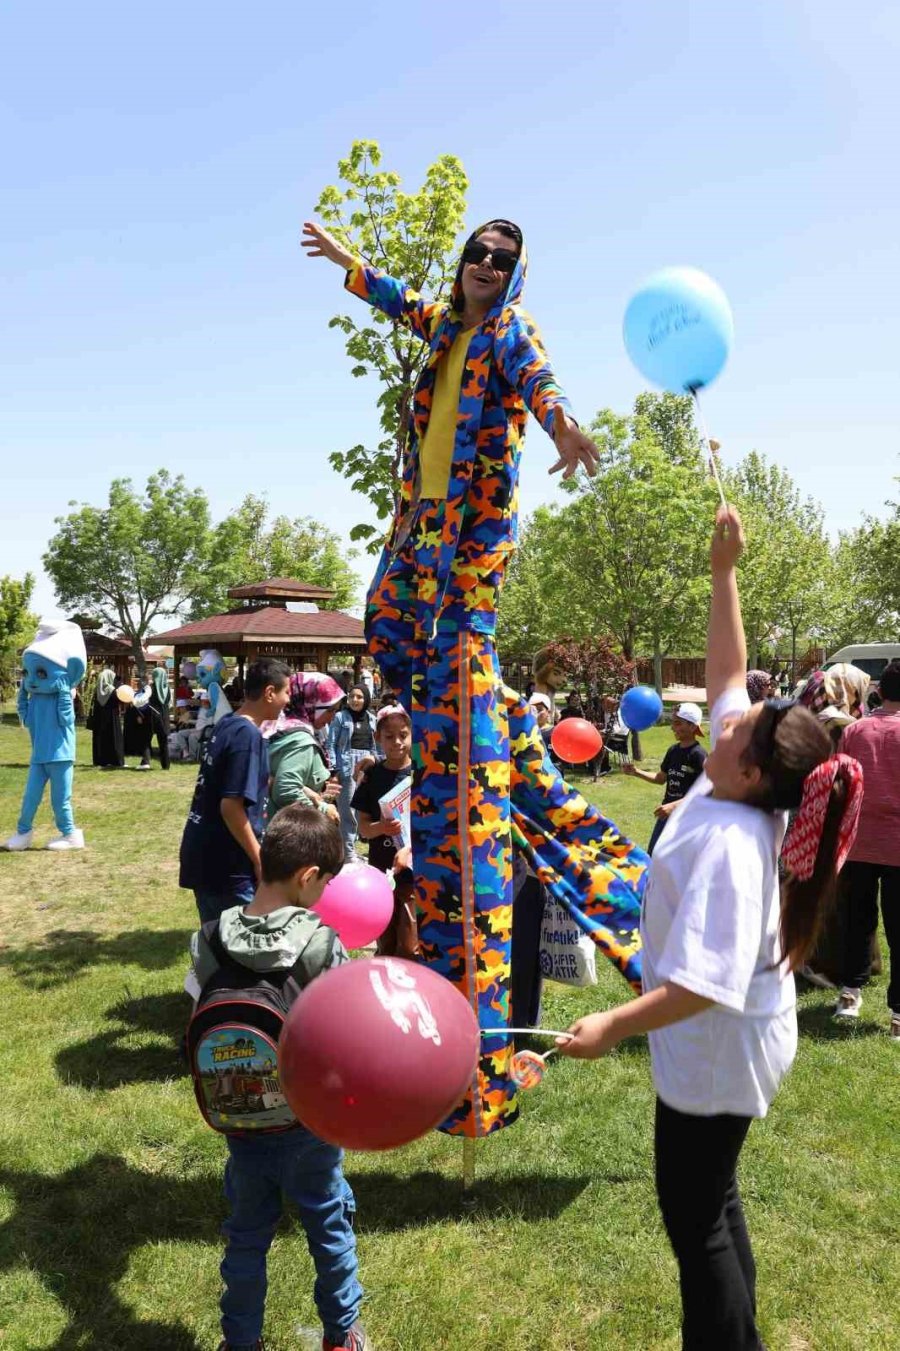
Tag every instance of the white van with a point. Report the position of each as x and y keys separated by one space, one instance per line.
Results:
x=869 y=657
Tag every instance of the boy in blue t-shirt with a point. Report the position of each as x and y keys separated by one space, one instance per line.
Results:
x=220 y=845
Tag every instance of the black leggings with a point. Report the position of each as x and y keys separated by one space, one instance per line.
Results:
x=696 y=1162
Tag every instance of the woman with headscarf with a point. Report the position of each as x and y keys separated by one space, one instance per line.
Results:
x=837 y=697
x=105 y=722
x=352 y=741
x=481 y=777
x=298 y=764
x=161 y=702
x=760 y=686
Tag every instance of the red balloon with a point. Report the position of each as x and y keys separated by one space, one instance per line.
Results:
x=576 y=740
x=377 y=1052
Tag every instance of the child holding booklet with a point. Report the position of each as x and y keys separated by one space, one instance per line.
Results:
x=719 y=950
x=384 y=829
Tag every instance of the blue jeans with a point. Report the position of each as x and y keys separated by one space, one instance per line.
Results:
x=308 y=1172
x=213 y=901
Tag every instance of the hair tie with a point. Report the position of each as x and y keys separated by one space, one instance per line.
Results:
x=801 y=844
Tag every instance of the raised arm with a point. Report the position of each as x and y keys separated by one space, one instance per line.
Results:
x=726 y=646
x=398 y=301
x=525 y=364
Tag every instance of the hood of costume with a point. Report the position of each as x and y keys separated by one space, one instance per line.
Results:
x=506 y=374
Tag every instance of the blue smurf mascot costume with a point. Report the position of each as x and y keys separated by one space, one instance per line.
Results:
x=210 y=672
x=53 y=665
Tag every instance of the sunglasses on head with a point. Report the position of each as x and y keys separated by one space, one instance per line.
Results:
x=502 y=260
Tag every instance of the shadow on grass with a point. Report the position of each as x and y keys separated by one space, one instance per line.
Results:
x=77 y=1231
x=818 y=1021
x=64 y=953
x=388 y=1202
x=124 y=1055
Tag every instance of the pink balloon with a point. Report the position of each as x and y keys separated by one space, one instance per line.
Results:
x=358 y=904
x=377 y=1052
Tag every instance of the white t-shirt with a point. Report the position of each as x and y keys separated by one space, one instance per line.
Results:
x=710 y=924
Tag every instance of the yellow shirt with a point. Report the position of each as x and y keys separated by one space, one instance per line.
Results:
x=436 y=451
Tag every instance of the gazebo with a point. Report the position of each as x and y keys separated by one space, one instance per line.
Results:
x=263 y=626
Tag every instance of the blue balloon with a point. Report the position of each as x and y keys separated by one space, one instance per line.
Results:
x=640 y=707
x=679 y=329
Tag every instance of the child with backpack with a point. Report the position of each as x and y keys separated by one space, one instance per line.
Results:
x=720 y=946
x=250 y=965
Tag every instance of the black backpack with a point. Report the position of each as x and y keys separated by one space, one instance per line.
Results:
x=232 y=1038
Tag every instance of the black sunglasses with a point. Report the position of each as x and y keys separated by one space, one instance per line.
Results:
x=502 y=260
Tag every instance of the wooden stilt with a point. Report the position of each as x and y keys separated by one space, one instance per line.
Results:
x=468 y=1164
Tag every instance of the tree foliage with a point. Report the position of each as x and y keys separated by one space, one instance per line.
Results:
x=17 y=626
x=247 y=547
x=596 y=668
x=627 y=554
x=412 y=236
x=140 y=557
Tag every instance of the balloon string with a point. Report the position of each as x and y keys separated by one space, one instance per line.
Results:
x=532 y=1031
x=714 y=468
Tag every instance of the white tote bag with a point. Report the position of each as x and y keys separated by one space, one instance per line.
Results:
x=567 y=953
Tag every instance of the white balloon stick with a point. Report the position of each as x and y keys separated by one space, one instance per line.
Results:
x=710 y=453
x=532 y=1032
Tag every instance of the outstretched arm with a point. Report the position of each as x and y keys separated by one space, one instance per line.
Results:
x=398 y=301
x=726 y=646
x=525 y=364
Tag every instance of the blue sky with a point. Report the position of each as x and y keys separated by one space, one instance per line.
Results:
x=158 y=161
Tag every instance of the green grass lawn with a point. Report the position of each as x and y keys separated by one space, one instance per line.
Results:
x=110 y=1182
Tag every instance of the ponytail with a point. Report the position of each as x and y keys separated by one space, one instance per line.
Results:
x=815 y=848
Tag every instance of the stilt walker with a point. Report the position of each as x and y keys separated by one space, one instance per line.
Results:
x=481 y=776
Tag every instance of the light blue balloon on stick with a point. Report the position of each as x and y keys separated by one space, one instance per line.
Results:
x=679 y=329
x=640 y=707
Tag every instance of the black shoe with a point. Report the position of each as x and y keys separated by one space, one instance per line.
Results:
x=242 y=1346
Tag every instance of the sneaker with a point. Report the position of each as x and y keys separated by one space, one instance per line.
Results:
x=18 y=841
x=75 y=840
x=242 y=1346
x=849 y=1003
x=355 y=1339
x=895 y=1029
x=816 y=978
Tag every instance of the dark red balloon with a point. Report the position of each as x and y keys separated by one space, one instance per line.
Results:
x=576 y=740
x=377 y=1052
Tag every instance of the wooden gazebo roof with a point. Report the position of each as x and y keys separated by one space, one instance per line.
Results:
x=281 y=588
x=270 y=624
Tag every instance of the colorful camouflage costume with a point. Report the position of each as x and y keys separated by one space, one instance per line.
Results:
x=481 y=777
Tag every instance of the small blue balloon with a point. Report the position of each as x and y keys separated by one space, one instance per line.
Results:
x=679 y=329
x=640 y=708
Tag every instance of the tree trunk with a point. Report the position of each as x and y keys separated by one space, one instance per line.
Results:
x=137 y=651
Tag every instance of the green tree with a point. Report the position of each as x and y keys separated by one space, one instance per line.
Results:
x=247 y=547
x=413 y=237
x=140 y=557
x=17 y=626
x=627 y=554
x=784 y=570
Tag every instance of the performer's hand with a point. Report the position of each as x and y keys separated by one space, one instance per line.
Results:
x=591 y=1037
x=320 y=244
x=575 y=449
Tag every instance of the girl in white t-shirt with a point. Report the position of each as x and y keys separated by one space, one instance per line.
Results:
x=719 y=948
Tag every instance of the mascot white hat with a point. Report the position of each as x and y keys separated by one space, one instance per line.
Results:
x=59 y=643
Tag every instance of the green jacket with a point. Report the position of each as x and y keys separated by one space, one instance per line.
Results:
x=271 y=942
x=297 y=763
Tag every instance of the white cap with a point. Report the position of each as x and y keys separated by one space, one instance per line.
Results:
x=540 y=700
x=690 y=713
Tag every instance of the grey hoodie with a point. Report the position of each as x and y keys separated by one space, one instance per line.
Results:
x=270 y=942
